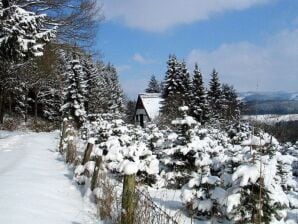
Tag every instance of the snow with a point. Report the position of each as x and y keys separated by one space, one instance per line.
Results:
x=183 y=108
x=128 y=167
x=246 y=173
x=36 y=186
x=233 y=201
x=271 y=118
x=92 y=140
x=152 y=104
x=253 y=141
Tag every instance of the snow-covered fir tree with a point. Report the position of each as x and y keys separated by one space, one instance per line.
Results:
x=115 y=99
x=230 y=103
x=23 y=34
x=179 y=157
x=176 y=89
x=186 y=83
x=215 y=96
x=91 y=72
x=50 y=98
x=74 y=89
x=153 y=86
x=198 y=98
x=98 y=97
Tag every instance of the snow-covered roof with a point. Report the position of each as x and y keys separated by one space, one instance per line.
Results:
x=151 y=103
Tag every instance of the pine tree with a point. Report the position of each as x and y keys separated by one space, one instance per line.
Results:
x=215 y=96
x=198 y=99
x=185 y=84
x=170 y=83
x=91 y=73
x=231 y=104
x=115 y=93
x=153 y=86
x=179 y=158
x=23 y=34
x=175 y=89
x=51 y=100
x=98 y=97
x=21 y=99
x=130 y=110
x=74 y=90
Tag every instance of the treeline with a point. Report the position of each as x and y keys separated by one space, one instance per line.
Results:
x=64 y=82
x=271 y=107
x=44 y=72
x=218 y=102
x=284 y=131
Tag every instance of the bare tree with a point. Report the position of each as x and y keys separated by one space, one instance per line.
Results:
x=77 y=20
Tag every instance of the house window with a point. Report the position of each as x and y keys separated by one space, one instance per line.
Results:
x=137 y=117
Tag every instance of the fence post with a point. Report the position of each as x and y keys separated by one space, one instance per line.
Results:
x=63 y=136
x=71 y=146
x=128 y=199
x=96 y=172
x=87 y=153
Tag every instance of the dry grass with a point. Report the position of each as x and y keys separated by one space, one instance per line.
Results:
x=41 y=125
x=10 y=124
x=107 y=199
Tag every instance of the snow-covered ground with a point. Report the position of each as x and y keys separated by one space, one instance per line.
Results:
x=271 y=118
x=35 y=185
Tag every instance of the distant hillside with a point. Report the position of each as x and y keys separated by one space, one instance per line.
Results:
x=269 y=102
x=268 y=96
x=270 y=107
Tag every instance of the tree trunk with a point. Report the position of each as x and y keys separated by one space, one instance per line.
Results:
x=35 y=106
x=1 y=107
x=26 y=108
x=10 y=104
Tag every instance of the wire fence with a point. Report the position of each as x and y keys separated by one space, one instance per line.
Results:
x=108 y=196
x=147 y=211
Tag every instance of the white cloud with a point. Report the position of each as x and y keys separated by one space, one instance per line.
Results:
x=122 y=68
x=141 y=59
x=272 y=66
x=160 y=15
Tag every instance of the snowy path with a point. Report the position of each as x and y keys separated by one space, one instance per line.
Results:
x=35 y=187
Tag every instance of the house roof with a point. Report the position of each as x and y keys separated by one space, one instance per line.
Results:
x=151 y=103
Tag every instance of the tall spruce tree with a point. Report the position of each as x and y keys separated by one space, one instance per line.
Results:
x=74 y=89
x=231 y=103
x=175 y=89
x=115 y=93
x=215 y=96
x=198 y=99
x=153 y=86
x=186 y=84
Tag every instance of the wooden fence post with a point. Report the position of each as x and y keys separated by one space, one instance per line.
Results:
x=128 y=199
x=63 y=136
x=96 y=172
x=71 y=150
x=87 y=153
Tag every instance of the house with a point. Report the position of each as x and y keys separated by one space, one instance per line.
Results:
x=147 y=108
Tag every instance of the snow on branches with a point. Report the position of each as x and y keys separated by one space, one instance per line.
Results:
x=23 y=34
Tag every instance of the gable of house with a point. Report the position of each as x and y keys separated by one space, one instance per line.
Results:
x=148 y=107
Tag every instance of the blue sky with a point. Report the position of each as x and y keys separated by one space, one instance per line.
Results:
x=252 y=43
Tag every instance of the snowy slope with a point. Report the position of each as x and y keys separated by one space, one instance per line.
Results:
x=271 y=118
x=36 y=187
